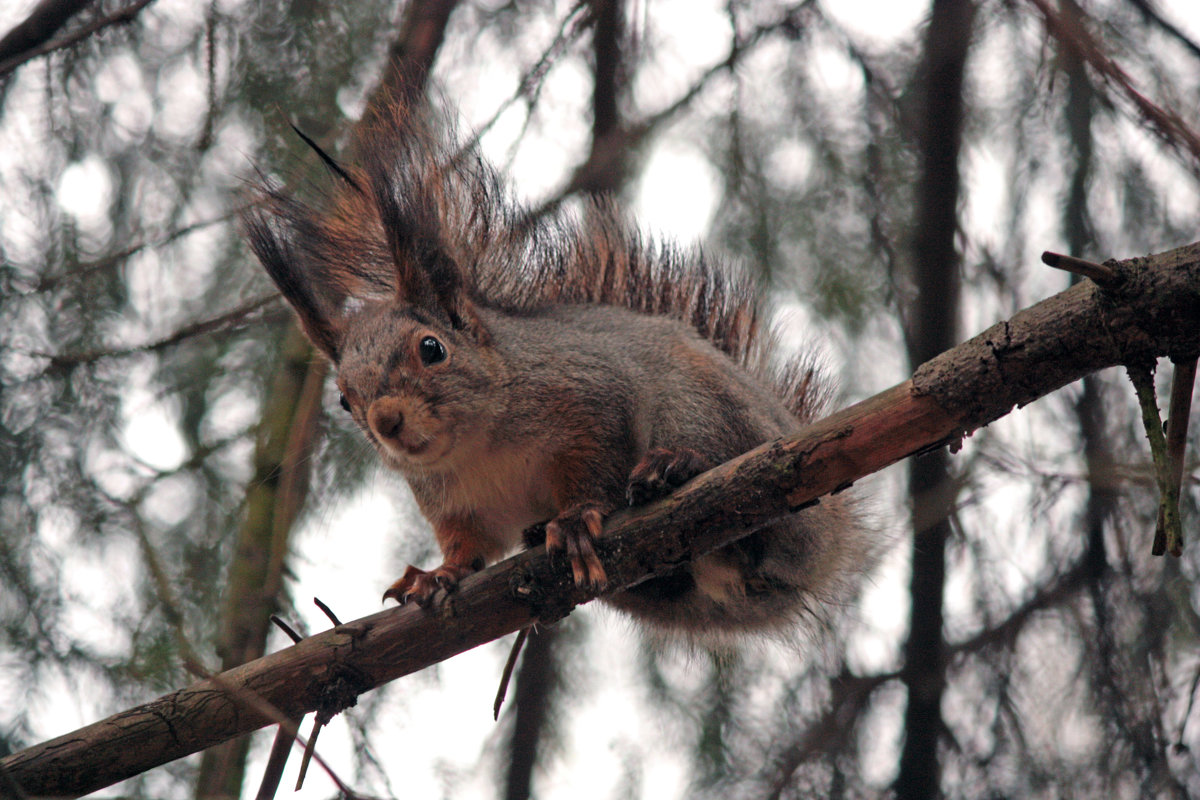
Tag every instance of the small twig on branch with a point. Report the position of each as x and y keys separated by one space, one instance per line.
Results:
x=281 y=748
x=1101 y=275
x=309 y=749
x=324 y=714
x=1178 y=412
x=506 y=676
x=1171 y=540
x=291 y=633
x=327 y=611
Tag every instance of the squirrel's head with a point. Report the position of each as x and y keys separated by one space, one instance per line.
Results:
x=380 y=294
x=418 y=388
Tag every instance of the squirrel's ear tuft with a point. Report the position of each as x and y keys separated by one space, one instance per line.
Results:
x=427 y=274
x=329 y=161
x=270 y=227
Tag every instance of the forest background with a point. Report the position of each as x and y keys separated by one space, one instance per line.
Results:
x=170 y=474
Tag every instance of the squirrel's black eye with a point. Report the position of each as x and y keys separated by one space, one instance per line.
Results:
x=431 y=351
x=345 y=403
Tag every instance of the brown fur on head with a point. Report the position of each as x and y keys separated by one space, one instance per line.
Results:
x=416 y=385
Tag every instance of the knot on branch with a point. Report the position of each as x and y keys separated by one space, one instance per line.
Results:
x=548 y=603
x=339 y=689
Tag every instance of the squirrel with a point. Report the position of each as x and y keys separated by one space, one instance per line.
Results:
x=517 y=369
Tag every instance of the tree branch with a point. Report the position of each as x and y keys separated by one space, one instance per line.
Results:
x=1166 y=122
x=42 y=23
x=1154 y=312
x=120 y=16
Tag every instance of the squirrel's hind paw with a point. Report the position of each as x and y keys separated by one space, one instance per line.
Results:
x=418 y=585
x=661 y=471
x=575 y=531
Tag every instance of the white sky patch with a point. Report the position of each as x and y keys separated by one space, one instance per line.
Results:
x=103 y=576
x=85 y=192
x=347 y=551
x=880 y=22
x=676 y=193
x=674 y=62
x=834 y=71
x=180 y=93
x=119 y=83
x=790 y=163
x=151 y=431
x=988 y=202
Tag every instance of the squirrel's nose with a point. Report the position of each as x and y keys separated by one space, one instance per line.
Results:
x=386 y=417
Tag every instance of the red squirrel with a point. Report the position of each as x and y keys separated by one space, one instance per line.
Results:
x=519 y=369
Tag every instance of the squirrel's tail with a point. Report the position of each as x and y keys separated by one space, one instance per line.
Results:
x=786 y=580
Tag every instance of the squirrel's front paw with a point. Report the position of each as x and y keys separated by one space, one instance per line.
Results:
x=419 y=585
x=575 y=531
x=661 y=471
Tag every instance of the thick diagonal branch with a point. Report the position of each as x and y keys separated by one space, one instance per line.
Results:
x=1154 y=311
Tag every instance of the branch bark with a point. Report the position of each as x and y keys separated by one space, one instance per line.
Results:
x=1154 y=311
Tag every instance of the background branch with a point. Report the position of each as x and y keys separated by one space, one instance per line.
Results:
x=118 y=17
x=42 y=23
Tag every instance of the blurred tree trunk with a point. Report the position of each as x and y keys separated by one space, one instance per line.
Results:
x=932 y=329
x=287 y=437
x=537 y=680
x=1097 y=449
x=537 y=684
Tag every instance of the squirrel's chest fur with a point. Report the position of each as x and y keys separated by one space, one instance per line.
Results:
x=500 y=489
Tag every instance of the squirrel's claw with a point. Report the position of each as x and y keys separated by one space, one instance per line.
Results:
x=419 y=585
x=661 y=471
x=575 y=531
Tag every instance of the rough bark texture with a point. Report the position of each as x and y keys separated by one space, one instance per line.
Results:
x=1155 y=312
x=1011 y=362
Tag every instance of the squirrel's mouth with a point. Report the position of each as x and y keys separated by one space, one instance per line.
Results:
x=413 y=450
x=417 y=449
x=407 y=432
